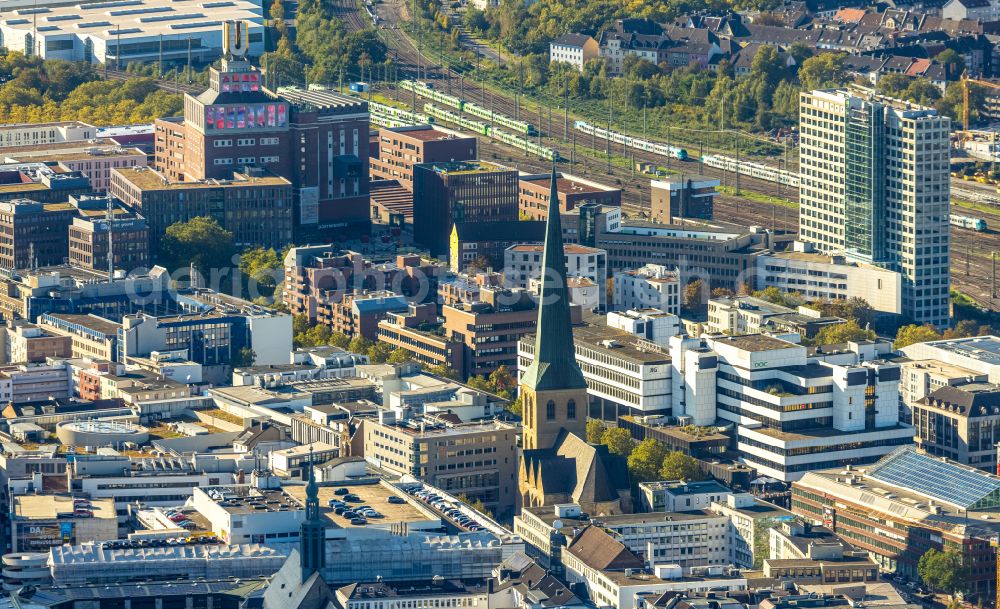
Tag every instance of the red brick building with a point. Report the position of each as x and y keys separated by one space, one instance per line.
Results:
x=318 y=140
x=574 y=191
x=396 y=150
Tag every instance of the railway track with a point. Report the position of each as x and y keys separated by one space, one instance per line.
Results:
x=166 y=85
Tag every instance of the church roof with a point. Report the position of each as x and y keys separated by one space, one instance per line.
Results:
x=288 y=591
x=586 y=472
x=554 y=365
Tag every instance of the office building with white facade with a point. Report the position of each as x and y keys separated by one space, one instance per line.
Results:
x=652 y=286
x=625 y=373
x=874 y=184
x=523 y=262
x=823 y=276
x=793 y=412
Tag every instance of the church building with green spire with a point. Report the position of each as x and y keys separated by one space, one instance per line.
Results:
x=557 y=465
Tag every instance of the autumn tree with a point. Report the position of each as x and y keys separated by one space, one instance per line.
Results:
x=913 y=333
x=646 y=460
x=835 y=334
x=618 y=440
x=399 y=356
x=678 y=466
x=200 y=242
x=595 y=431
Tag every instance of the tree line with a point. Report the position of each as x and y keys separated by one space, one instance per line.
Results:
x=34 y=90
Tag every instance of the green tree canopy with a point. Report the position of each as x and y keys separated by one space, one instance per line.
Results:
x=618 y=440
x=678 y=466
x=263 y=266
x=942 y=571
x=836 y=334
x=646 y=460
x=595 y=430
x=200 y=242
x=911 y=334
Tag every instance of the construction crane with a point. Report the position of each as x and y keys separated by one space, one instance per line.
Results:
x=966 y=85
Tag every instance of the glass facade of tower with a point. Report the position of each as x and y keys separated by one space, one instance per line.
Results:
x=864 y=186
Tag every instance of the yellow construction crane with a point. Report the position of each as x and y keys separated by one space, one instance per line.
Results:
x=966 y=85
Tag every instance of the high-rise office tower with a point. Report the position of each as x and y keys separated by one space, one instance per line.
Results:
x=874 y=184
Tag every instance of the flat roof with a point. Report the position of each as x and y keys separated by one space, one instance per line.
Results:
x=149 y=179
x=375 y=496
x=94 y=322
x=565 y=184
x=137 y=19
x=238 y=499
x=681 y=487
x=461 y=167
x=49 y=507
x=755 y=342
x=627 y=346
x=569 y=248
x=426 y=133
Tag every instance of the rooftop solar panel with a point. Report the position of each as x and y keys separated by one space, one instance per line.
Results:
x=941 y=480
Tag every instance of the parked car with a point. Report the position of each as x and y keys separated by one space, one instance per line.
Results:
x=358 y=521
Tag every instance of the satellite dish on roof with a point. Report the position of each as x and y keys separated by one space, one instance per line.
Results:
x=557 y=524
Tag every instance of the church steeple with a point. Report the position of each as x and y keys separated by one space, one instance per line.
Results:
x=553 y=387
x=312 y=533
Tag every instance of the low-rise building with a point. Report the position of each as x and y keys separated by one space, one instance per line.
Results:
x=573 y=191
x=574 y=49
x=91 y=336
x=670 y=200
x=818 y=276
x=681 y=495
x=652 y=286
x=960 y=422
x=523 y=262
x=27 y=343
x=750 y=522
x=653 y=325
x=398 y=149
x=472 y=459
x=944 y=505
x=613 y=576
x=751 y=315
x=40 y=522
x=257 y=209
x=690 y=538
x=981 y=354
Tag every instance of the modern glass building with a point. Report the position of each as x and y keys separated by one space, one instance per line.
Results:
x=874 y=184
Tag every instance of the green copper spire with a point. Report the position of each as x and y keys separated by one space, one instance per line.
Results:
x=554 y=366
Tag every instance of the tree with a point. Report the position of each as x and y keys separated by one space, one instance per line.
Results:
x=243 y=358
x=771 y=294
x=965 y=329
x=942 y=570
x=646 y=460
x=694 y=294
x=516 y=407
x=823 y=71
x=378 y=353
x=339 y=339
x=953 y=62
x=502 y=380
x=277 y=13
x=853 y=308
x=911 y=334
x=595 y=431
x=678 y=466
x=835 y=334
x=618 y=440
x=442 y=370
x=263 y=266
x=477 y=504
x=201 y=242
x=359 y=344
x=399 y=356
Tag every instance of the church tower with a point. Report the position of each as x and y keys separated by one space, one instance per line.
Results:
x=312 y=533
x=553 y=391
